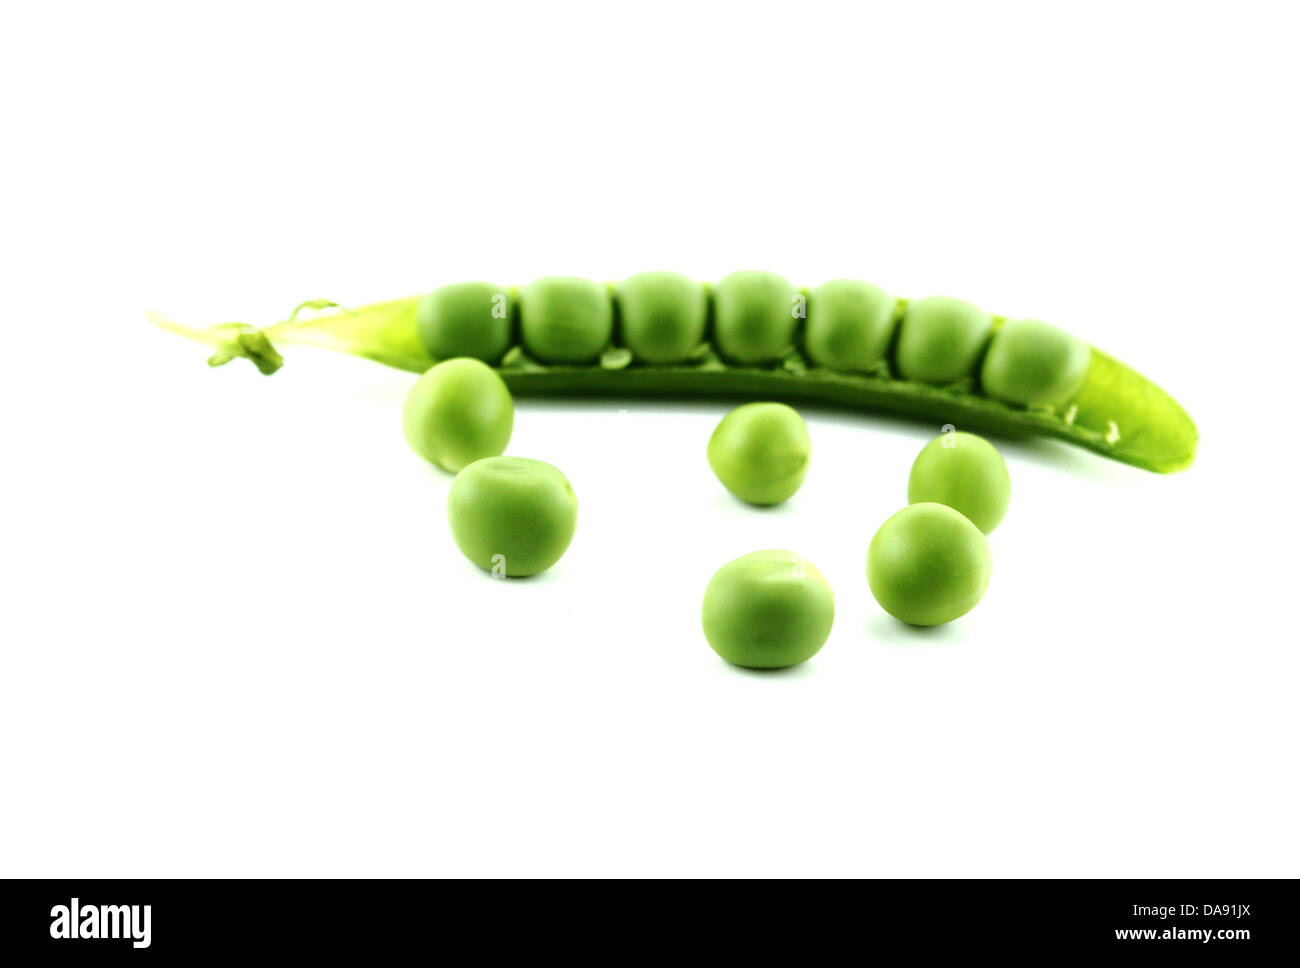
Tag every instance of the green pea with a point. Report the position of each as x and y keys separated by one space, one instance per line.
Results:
x=512 y=516
x=458 y=412
x=941 y=339
x=662 y=315
x=1033 y=363
x=849 y=325
x=754 y=316
x=928 y=565
x=465 y=319
x=768 y=610
x=565 y=320
x=965 y=472
x=760 y=452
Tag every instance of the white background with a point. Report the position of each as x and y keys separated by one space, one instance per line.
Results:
x=237 y=638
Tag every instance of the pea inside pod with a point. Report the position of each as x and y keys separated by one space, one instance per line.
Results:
x=472 y=319
x=941 y=340
x=662 y=315
x=565 y=320
x=850 y=324
x=1033 y=363
x=754 y=316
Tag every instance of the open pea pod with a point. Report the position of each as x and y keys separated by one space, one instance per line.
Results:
x=755 y=335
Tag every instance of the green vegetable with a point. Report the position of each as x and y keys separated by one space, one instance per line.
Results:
x=662 y=316
x=756 y=350
x=466 y=319
x=760 y=452
x=964 y=472
x=928 y=565
x=940 y=340
x=768 y=610
x=849 y=325
x=1035 y=364
x=458 y=412
x=566 y=320
x=512 y=516
x=754 y=316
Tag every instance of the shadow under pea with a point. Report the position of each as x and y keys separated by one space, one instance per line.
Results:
x=887 y=630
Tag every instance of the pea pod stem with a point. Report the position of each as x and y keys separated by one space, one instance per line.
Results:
x=228 y=341
x=1118 y=413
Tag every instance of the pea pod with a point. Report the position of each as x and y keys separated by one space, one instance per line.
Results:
x=755 y=335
